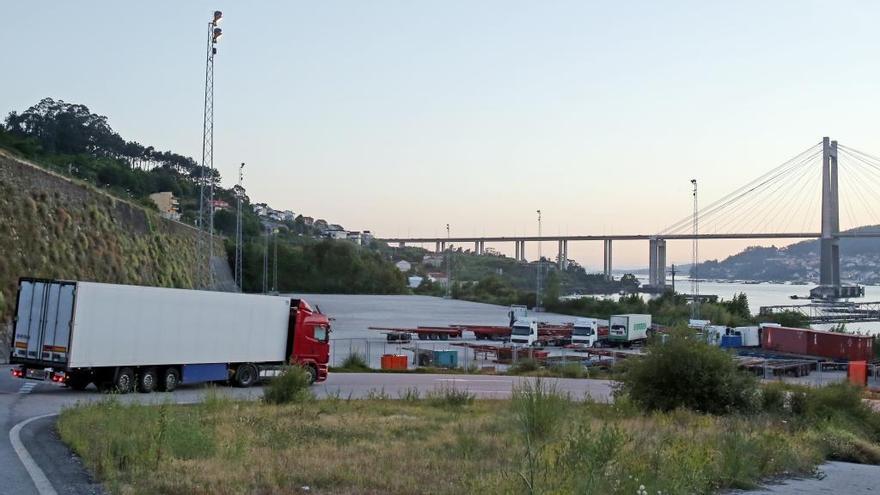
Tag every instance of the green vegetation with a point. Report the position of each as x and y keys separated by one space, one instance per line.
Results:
x=355 y=362
x=687 y=372
x=292 y=385
x=540 y=441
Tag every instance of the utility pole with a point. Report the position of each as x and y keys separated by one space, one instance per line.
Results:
x=266 y=261
x=448 y=265
x=206 y=179
x=239 y=199
x=538 y=305
x=695 y=278
x=275 y=261
x=673 y=272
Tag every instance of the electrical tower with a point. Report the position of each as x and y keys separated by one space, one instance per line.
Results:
x=206 y=179
x=239 y=199
x=695 y=259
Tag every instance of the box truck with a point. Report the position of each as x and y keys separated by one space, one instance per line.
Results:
x=125 y=338
x=628 y=329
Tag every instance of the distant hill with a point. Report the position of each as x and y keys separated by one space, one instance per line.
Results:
x=859 y=262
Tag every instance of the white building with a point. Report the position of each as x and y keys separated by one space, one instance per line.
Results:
x=414 y=282
x=403 y=266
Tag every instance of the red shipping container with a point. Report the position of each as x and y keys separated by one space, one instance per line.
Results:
x=787 y=340
x=807 y=342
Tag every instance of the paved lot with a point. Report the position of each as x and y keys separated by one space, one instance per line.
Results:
x=834 y=478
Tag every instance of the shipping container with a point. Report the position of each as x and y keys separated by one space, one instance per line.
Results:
x=808 y=342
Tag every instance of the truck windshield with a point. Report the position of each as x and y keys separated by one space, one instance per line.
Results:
x=521 y=331
x=322 y=333
x=583 y=331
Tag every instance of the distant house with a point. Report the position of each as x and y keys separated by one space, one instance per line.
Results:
x=367 y=238
x=403 y=266
x=321 y=224
x=414 y=282
x=219 y=204
x=338 y=235
x=261 y=209
x=335 y=226
x=288 y=216
x=354 y=237
x=435 y=260
x=308 y=221
x=167 y=204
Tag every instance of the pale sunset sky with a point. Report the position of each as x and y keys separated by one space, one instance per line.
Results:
x=402 y=116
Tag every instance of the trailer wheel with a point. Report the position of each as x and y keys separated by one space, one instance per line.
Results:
x=124 y=382
x=147 y=380
x=170 y=380
x=433 y=336
x=423 y=336
x=444 y=336
x=313 y=374
x=246 y=375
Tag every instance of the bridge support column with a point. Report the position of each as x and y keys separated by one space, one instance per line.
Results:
x=477 y=247
x=829 y=254
x=482 y=247
x=607 y=253
x=401 y=244
x=661 y=263
x=652 y=262
x=562 y=257
x=442 y=246
x=522 y=250
x=437 y=247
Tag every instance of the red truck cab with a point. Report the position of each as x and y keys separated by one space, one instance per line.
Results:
x=308 y=339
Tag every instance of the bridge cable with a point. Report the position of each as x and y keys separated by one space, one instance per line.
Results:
x=747 y=188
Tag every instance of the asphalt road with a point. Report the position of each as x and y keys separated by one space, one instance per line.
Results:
x=21 y=400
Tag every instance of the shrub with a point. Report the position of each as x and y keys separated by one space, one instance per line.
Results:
x=773 y=398
x=687 y=372
x=537 y=406
x=525 y=365
x=292 y=385
x=449 y=396
x=355 y=362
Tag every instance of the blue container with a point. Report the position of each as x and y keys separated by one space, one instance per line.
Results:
x=730 y=341
x=446 y=359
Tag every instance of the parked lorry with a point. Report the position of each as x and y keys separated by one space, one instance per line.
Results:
x=628 y=329
x=524 y=332
x=125 y=338
x=589 y=332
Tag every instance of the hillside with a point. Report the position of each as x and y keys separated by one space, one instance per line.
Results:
x=51 y=226
x=859 y=262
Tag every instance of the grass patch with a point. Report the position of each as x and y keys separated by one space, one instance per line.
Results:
x=354 y=363
x=539 y=441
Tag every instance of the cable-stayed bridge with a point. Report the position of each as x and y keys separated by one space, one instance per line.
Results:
x=802 y=198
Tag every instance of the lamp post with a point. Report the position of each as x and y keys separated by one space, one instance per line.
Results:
x=206 y=181
x=538 y=302
x=448 y=265
x=695 y=255
x=239 y=199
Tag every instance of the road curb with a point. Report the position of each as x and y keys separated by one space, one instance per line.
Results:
x=41 y=482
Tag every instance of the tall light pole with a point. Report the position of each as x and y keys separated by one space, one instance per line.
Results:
x=538 y=301
x=448 y=265
x=266 y=261
x=695 y=255
x=275 y=261
x=206 y=180
x=239 y=199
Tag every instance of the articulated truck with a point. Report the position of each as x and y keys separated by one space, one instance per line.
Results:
x=124 y=338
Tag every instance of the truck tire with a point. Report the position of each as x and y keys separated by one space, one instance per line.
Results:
x=313 y=374
x=170 y=380
x=423 y=336
x=444 y=336
x=147 y=380
x=124 y=381
x=246 y=375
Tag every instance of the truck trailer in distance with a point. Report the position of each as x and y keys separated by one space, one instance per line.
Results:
x=628 y=329
x=125 y=337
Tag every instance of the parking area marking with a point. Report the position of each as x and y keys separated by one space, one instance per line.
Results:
x=27 y=387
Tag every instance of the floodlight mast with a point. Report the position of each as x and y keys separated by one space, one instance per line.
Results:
x=207 y=172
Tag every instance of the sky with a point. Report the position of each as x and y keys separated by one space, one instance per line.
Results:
x=402 y=116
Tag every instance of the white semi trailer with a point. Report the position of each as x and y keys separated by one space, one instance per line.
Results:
x=124 y=337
